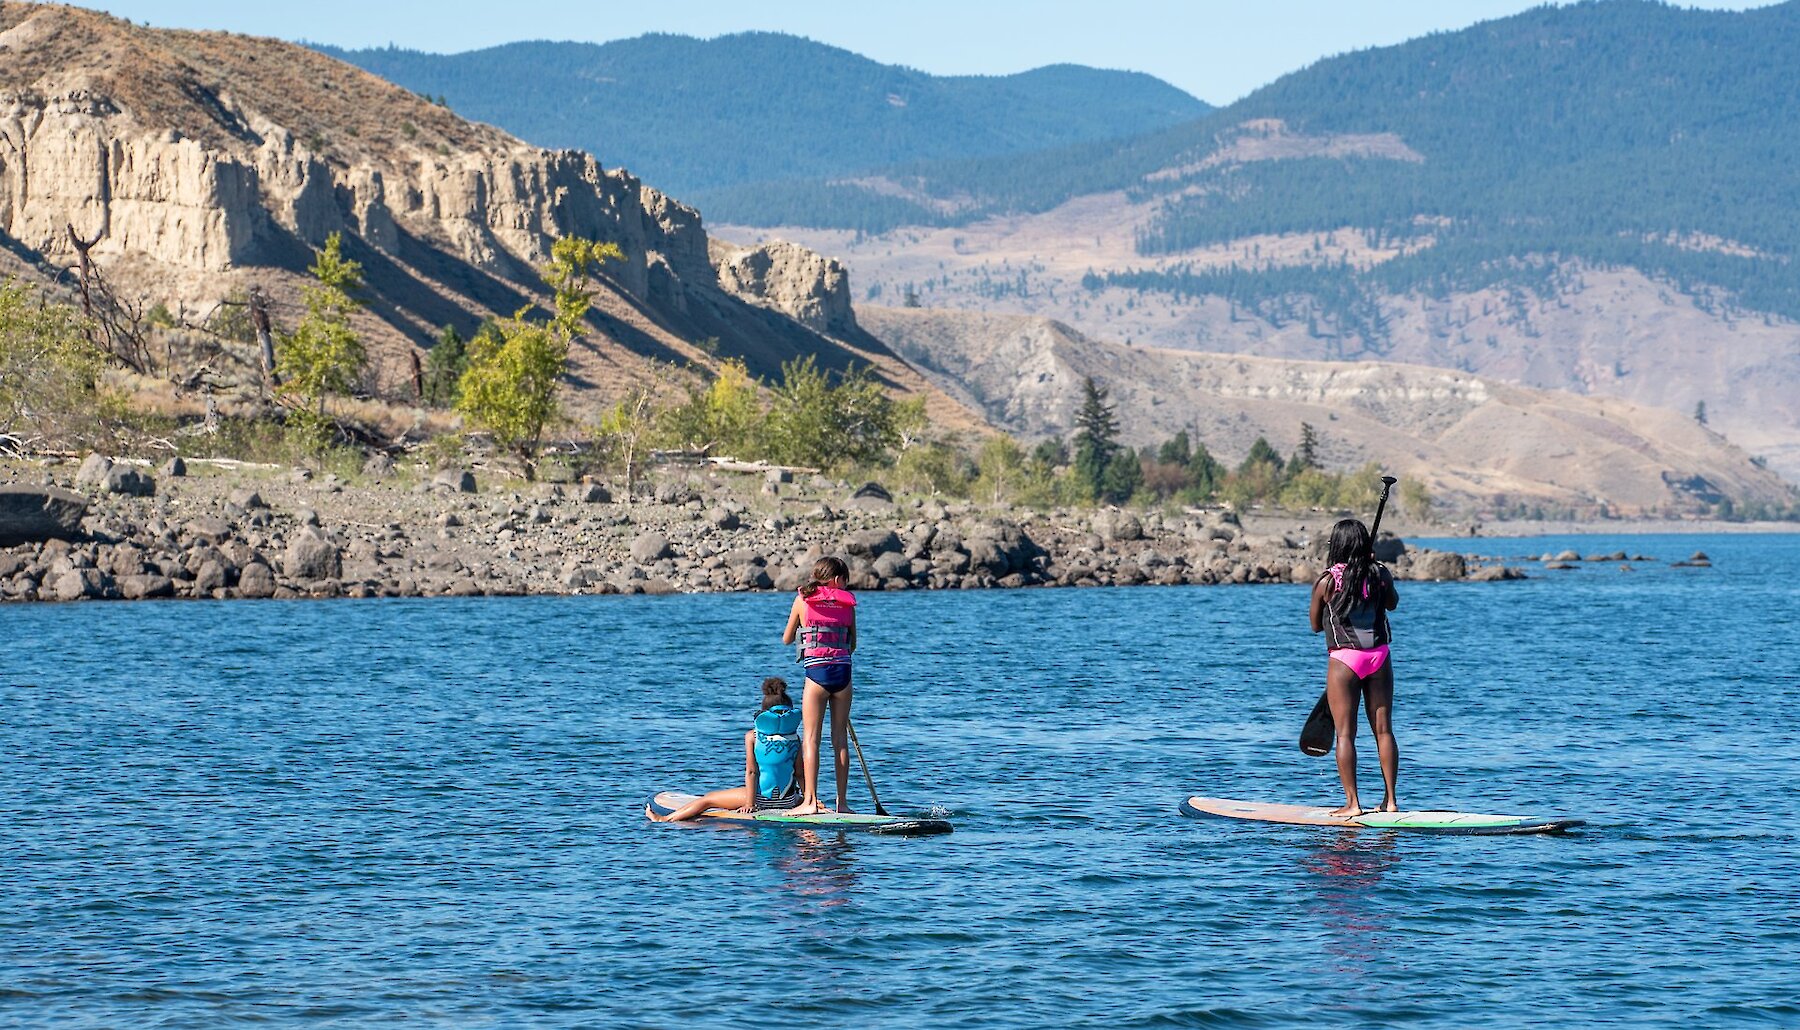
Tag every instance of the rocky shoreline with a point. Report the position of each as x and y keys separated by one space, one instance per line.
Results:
x=226 y=530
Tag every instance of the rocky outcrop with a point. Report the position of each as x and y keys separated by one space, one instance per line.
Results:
x=36 y=513
x=807 y=287
x=197 y=164
x=74 y=157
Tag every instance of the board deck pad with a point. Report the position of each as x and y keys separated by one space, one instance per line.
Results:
x=890 y=825
x=1424 y=821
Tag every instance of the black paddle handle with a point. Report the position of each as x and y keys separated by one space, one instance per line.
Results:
x=1387 y=483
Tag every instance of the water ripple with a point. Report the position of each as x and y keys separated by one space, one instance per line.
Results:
x=430 y=812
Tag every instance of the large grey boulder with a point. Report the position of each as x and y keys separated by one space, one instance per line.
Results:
x=1437 y=565
x=256 y=580
x=871 y=497
x=129 y=481
x=871 y=543
x=788 y=578
x=893 y=565
x=31 y=514
x=458 y=480
x=650 y=547
x=1118 y=525
x=311 y=555
x=248 y=499
x=998 y=548
x=92 y=474
x=145 y=585
x=210 y=576
x=753 y=577
x=1389 y=548
x=208 y=527
x=76 y=584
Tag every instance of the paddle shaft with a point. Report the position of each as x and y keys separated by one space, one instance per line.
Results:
x=1317 y=733
x=867 y=779
x=1387 y=483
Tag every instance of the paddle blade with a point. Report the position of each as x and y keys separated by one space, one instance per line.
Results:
x=1316 y=736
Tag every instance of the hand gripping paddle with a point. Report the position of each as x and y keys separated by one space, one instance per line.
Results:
x=1319 y=732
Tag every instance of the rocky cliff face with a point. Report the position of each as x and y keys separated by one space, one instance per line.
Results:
x=197 y=163
x=811 y=289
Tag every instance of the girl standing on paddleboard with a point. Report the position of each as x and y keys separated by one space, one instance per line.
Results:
x=771 y=763
x=823 y=620
x=1350 y=603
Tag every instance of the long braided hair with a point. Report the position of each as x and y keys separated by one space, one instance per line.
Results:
x=1352 y=548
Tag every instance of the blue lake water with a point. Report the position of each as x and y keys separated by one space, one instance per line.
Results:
x=430 y=812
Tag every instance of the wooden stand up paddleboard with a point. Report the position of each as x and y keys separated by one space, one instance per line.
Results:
x=1428 y=822
x=890 y=825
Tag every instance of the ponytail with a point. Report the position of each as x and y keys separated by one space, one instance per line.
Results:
x=824 y=571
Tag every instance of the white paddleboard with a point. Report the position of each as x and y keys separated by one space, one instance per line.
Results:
x=1423 y=821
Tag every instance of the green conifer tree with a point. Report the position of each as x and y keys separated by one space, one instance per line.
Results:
x=1096 y=437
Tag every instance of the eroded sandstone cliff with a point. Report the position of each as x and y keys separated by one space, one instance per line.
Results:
x=201 y=163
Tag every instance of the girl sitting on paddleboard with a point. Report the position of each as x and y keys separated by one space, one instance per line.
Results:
x=823 y=620
x=771 y=763
x=1350 y=603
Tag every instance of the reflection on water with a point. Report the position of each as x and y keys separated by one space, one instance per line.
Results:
x=1346 y=869
x=816 y=870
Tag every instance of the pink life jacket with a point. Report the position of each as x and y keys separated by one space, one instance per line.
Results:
x=825 y=622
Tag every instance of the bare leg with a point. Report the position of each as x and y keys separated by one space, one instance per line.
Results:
x=1381 y=707
x=731 y=798
x=840 y=744
x=812 y=725
x=1341 y=691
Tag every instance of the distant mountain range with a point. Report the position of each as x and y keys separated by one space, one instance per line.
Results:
x=693 y=115
x=1594 y=197
x=1478 y=443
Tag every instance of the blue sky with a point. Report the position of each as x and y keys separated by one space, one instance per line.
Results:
x=1217 y=50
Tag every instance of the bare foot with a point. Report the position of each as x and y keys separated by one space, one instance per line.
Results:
x=651 y=812
x=1390 y=805
x=1348 y=812
x=843 y=808
x=811 y=807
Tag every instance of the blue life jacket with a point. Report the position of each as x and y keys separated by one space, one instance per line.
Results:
x=777 y=751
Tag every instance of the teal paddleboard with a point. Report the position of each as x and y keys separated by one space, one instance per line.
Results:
x=890 y=825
